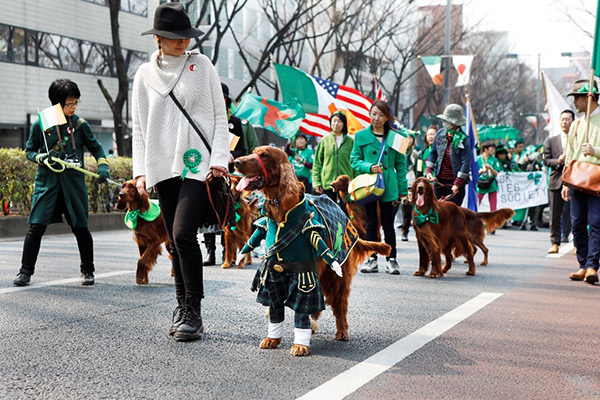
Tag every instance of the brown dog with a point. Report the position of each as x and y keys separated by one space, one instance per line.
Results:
x=269 y=170
x=149 y=235
x=442 y=236
x=237 y=238
x=476 y=229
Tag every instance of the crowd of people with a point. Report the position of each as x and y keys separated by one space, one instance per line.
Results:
x=173 y=156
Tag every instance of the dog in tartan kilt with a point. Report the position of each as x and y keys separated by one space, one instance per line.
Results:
x=312 y=252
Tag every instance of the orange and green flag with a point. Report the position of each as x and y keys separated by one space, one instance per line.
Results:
x=282 y=119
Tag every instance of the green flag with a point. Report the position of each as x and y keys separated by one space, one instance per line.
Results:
x=596 y=54
x=282 y=119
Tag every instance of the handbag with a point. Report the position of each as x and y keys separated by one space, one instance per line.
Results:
x=485 y=184
x=218 y=190
x=581 y=175
x=367 y=188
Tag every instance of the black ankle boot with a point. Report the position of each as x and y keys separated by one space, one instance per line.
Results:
x=191 y=326
x=177 y=316
x=210 y=259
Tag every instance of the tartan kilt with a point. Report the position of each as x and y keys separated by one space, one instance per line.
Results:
x=281 y=289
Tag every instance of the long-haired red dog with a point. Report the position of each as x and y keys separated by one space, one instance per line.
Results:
x=149 y=235
x=440 y=227
x=283 y=191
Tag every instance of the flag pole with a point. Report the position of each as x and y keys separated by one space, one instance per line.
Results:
x=473 y=124
x=589 y=105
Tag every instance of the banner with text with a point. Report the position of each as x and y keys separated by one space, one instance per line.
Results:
x=522 y=189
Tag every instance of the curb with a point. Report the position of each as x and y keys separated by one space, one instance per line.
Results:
x=17 y=226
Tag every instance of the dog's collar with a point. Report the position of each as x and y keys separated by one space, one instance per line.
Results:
x=262 y=165
x=150 y=215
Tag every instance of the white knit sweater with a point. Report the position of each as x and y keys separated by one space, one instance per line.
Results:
x=161 y=133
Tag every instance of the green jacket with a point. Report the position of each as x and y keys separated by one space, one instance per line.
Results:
x=249 y=137
x=365 y=154
x=494 y=163
x=331 y=162
x=302 y=167
x=72 y=183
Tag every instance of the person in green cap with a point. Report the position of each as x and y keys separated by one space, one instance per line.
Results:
x=489 y=167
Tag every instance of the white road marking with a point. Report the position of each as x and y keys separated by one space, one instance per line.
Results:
x=351 y=380
x=562 y=251
x=61 y=282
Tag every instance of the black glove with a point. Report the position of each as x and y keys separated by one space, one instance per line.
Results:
x=104 y=173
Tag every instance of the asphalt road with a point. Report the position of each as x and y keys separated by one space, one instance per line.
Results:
x=519 y=329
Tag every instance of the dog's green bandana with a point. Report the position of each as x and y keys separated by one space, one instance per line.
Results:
x=132 y=216
x=191 y=159
x=431 y=216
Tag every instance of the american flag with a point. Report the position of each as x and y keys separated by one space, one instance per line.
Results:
x=349 y=98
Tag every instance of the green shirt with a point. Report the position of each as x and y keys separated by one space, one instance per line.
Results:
x=306 y=155
x=495 y=164
x=331 y=161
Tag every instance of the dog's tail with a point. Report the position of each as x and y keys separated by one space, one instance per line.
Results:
x=364 y=249
x=495 y=219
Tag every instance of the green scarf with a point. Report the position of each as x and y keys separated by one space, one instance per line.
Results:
x=431 y=216
x=132 y=216
x=457 y=137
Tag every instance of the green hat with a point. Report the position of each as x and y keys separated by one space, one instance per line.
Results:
x=520 y=140
x=501 y=149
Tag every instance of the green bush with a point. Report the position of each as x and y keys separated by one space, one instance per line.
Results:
x=17 y=175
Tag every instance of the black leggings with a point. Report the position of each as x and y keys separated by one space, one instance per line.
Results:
x=388 y=213
x=182 y=204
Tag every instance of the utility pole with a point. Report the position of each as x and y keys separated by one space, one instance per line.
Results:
x=447 y=78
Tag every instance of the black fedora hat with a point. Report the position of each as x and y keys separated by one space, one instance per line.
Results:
x=171 y=22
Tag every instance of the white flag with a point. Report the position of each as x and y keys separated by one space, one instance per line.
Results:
x=555 y=104
x=462 y=64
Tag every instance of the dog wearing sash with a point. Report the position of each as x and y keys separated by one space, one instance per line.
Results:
x=312 y=250
x=144 y=218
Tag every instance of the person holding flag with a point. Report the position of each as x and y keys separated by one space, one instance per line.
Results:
x=368 y=144
x=59 y=191
x=450 y=156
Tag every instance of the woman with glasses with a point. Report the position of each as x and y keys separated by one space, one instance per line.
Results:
x=58 y=191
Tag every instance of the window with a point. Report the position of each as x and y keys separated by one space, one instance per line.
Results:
x=238 y=66
x=137 y=7
x=24 y=46
x=12 y=44
x=223 y=63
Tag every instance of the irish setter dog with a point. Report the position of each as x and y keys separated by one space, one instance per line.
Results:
x=236 y=239
x=476 y=229
x=283 y=191
x=435 y=238
x=148 y=235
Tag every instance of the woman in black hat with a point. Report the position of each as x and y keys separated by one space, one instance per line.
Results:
x=170 y=156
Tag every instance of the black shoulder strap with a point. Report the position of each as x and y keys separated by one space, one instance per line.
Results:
x=191 y=121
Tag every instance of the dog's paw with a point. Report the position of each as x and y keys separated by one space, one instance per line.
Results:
x=240 y=265
x=269 y=343
x=226 y=265
x=483 y=263
x=314 y=325
x=471 y=273
x=141 y=279
x=299 y=350
x=434 y=275
x=418 y=273
x=342 y=336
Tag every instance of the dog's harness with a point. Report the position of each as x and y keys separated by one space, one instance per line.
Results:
x=150 y=215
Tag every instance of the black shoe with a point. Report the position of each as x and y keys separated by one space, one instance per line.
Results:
x=191 y=326
x=210 y=258
x=87 y=279
x=22 y=279
x=405 y=237
x=533 y=228
x=524 y=227
x=565 y=239
x=177 y=318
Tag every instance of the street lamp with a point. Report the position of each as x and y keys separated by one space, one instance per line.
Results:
x=537 y=93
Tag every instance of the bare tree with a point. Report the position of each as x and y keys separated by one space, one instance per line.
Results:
x=116 y=104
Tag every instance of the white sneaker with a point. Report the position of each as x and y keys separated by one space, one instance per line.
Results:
x=370 y=266
x=391 y=267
